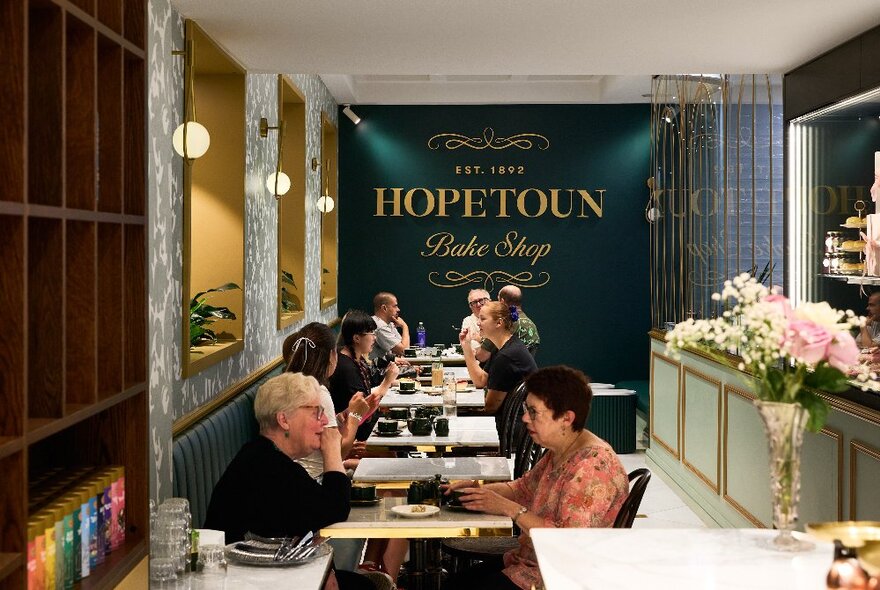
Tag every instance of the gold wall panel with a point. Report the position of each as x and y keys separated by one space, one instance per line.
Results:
x=751 y=450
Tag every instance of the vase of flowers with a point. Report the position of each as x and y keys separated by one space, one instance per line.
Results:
x=789 y=354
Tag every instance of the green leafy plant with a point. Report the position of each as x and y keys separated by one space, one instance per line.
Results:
x=202 y=315
x=289 y=301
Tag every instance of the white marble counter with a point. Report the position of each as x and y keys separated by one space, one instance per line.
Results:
x=463 y=399
x=610 y=391
x=376 y=469
x=464 y=431
x=309 y=576
x=379 y=522
x=674 y=559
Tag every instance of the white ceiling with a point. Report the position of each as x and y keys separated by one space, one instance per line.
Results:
x=512 y=51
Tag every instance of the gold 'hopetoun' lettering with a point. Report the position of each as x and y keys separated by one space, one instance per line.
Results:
x=472 y=202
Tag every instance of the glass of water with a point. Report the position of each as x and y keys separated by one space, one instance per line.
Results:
x=449 y=407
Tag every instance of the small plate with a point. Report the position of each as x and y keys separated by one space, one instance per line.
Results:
x=409 y=510
x=246 y=558
x=389 y=434
x=372 y=502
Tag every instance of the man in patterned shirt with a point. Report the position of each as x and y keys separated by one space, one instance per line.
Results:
x=524 y=328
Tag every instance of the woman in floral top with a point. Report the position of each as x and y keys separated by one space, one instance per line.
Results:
x=579 y=482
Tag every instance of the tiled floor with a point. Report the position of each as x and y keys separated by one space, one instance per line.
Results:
x=661 y=508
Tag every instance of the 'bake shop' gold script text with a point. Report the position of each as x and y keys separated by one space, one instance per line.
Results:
x=443 y=244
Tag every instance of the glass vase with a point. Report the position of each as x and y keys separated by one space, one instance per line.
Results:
x=784 y=425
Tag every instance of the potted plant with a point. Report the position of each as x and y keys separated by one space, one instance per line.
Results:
x=202 y=315
x=789 y=353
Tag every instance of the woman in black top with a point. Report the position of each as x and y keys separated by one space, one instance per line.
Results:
x=357 y=336
x=508 y=366
x=265 y=491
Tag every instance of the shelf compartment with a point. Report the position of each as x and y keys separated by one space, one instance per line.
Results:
x=80 y=312
x=88 y=6
x=135 y=14
x=80 y=115
x=12 y=68
x=109 y=126
x=135 y=327
x=110 y=13
x=110 y=298
x=45 y=304
x=12 y=533
x=10 y=563
x=12 y=319
x=45 y=99
x=134 y=126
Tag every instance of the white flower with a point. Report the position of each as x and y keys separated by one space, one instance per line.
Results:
x=821 y=314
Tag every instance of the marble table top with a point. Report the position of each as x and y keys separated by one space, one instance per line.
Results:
x=463 y=399
x=464 y=431
x=309 y=576
x=379 y=522
x=377 y=469
x=661 y=559
x=610 y=391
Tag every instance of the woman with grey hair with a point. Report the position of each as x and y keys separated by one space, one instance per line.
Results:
x=265 y=491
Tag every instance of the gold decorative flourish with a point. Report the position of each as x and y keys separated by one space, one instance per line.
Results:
x=454 y=279
x=523 y=141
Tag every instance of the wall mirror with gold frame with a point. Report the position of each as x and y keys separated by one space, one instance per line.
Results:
x=329 y=187
x=292 y=206
x=213 y=203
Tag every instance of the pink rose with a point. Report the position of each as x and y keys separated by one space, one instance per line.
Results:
x=781 y=302
x=843 y=352
x=808 y=341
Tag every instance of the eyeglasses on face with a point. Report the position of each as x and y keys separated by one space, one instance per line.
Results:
x=532 y=412
x=478 y=302
x=367 y=334
x=318 y=411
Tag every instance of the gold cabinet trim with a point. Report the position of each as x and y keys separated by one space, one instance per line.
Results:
x=856 y=447
x=693 y=468
x=730 y=389
x=660 y=441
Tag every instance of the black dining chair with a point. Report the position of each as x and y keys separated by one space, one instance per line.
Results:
x=638 y=483
x=466 y=552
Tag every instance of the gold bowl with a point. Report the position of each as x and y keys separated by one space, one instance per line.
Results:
x=863 y=535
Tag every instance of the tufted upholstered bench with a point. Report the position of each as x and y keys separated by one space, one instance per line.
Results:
x=202 y=452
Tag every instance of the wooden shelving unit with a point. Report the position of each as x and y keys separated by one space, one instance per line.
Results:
x=73 y=299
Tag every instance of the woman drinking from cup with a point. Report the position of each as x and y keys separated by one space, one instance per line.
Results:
x=352 y=375
x=265 y=491
x=579 y=482
x=312 y=351
x=508 y=366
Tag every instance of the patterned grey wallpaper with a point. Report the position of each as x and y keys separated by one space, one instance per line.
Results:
x=170 y=396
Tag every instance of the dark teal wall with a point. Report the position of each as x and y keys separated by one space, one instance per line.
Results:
x=593 y=311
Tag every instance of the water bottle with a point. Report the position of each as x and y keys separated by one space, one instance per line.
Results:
x=420 y=335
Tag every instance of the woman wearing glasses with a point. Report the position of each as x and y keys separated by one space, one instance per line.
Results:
x=476 y=299
x=579 y=482
x=265 y=491
x=357 y=334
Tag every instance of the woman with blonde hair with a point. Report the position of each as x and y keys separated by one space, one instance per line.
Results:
x=265 y=491
x=507 y=367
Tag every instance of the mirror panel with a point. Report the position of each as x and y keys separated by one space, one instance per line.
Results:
x=214 y=189
x=329 y=186
x=291 y=207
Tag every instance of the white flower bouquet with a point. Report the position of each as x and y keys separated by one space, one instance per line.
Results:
x=789 y=352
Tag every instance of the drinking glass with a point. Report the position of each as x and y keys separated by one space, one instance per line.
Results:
x=449 y=393
x=437 y=374
x=163 y=569
x=212 y=559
